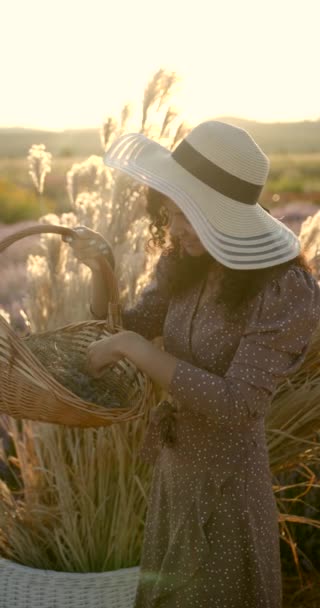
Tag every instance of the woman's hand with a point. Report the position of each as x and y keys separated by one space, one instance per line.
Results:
x=157 y=364
x=88 y=246
x=109 y=350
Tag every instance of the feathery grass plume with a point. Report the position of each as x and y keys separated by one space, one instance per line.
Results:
x=181 y=132
x=86 y=207
x=128 y=205
x=156 y=93
x=125 y=115
x=131 y=254
x=39 y=165
x=309 y=238
x=58 y=284
x=109 y=128
x=37 y=302
x=111 y=208
x=170 y=116
x=40 y=161
x=90 y=190
x=87 y=176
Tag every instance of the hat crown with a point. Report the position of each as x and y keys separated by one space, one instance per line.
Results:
x=232 y=149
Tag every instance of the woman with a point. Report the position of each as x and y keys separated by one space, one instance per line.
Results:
x=236 y=305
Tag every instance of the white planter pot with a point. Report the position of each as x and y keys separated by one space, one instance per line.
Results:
x=24 y=587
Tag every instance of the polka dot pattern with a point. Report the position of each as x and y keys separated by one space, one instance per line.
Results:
x=211 y=533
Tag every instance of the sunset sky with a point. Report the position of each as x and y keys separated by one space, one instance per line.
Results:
x=70 y=63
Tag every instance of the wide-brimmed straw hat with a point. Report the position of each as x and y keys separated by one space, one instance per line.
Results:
x=215 y=176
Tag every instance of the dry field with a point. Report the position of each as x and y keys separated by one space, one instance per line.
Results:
x=293 y=177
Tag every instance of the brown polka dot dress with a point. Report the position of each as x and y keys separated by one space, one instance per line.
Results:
x=211 y=533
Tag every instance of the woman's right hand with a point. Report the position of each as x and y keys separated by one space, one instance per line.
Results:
x=88 y=246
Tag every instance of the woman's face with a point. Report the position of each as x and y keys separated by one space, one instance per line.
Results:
x=181 y=229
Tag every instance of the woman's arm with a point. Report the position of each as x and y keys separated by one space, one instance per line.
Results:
x=226 y=400
x=145 y=318
x=148 y=315
x=157 y=364
x=273 y=345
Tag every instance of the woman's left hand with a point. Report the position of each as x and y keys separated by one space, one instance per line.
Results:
x=107 y=351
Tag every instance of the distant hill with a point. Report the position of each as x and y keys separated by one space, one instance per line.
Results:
x=282 y=138
x=16 y=142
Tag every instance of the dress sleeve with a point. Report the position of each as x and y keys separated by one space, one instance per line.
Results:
x=273 y=345
x=148 y=315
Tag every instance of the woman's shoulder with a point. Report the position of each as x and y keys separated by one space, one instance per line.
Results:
x=294 y=282
x=292 y=295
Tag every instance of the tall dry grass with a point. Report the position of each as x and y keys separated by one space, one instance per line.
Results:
x=82 y=501
x=81 y=496
x=293 y=434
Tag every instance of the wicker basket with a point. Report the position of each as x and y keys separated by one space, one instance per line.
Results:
x=27 y=390
x=23 y=587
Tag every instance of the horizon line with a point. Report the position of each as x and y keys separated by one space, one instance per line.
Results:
x=94 y=127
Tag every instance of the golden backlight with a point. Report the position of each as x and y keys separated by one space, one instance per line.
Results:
x=69 y=64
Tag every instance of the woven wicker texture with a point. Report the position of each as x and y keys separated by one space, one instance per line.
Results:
x=23 y=587
x=27 y=390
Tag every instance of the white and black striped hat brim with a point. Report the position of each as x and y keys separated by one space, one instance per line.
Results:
x=215 y=176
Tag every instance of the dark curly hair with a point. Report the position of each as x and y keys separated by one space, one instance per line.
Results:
x=236 y=287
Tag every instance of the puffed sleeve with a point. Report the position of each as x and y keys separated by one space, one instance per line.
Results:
x=273 y=346
x=148 y=315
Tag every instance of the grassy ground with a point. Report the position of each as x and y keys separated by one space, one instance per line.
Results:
x=16 y=171
x=299 y=173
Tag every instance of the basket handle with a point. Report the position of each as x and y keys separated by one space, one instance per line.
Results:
x=107 y=272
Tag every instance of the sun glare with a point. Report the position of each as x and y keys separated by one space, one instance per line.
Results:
x=70 y=65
